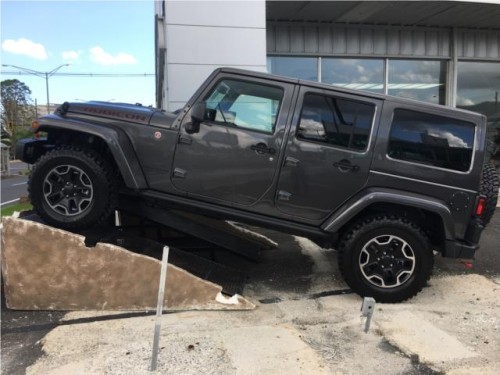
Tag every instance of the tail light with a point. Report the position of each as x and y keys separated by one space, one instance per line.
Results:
x=481 y=203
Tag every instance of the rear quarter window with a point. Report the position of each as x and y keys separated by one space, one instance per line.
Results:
x=427 y=139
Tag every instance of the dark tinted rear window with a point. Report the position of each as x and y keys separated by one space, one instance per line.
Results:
x=336 y=121
x=431 y=140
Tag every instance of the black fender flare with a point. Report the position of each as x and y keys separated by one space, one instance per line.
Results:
x=363 y=200
x=117 y=140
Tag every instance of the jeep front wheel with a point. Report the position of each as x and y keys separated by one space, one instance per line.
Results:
x=385 y=257
x=72 y=188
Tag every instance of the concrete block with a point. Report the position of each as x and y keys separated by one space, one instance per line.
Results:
x=50 y=269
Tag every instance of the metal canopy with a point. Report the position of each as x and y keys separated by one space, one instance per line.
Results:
x=402 y=13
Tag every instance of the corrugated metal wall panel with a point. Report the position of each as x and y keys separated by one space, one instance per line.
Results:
x=325 y=43
x=339 y=41
x=297 y=39
x=348 y=40
x=311 y=40
x=366 y=41
x=444 y=43
x=493 y=45
x=282 y=39
x=431 y=44
x=484 y=45
x=379 y=42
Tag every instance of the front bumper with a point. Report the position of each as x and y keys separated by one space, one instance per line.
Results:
x=29 y=149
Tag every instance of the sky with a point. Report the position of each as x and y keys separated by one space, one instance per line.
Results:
x=99 y=37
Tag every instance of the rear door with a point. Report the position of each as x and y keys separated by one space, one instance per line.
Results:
x=329 y=152
x=234 y=156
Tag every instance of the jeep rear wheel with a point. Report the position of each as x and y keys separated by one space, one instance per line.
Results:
x=489 y=189
x=72 y=188
x=385 y=257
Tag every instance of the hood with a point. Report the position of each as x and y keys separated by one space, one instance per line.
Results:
x=113 y=112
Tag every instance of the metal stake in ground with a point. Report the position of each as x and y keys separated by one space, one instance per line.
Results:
x=159 y=307
x=367 y=309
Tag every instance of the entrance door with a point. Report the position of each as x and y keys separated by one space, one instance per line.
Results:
x=233 y=157
x=329 y=153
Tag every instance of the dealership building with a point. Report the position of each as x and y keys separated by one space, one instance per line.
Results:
x=444 y=52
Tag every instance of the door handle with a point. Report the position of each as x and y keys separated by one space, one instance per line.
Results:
x=345 y=165
x=261 y=148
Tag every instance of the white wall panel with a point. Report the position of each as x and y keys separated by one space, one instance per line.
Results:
x=187 y=80
x=204 y=35
x=215 y=45
x=220 y=13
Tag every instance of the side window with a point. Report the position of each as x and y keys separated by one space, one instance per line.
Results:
x=335 y=121
x=244 y=104
x=432 y=140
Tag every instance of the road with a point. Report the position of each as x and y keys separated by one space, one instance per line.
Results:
x=14 y=187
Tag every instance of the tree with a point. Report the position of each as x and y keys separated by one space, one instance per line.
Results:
x=17 y=110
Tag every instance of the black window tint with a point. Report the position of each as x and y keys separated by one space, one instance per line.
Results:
x=339 y=122
x=433 y=140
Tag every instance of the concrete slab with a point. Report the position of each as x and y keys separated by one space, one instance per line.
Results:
x=50 y=269
x=271 y=350
x=417 y=336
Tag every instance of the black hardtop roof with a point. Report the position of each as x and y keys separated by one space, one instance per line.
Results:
x=329 y=87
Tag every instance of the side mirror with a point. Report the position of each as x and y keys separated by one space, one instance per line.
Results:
x=198 y=112
x=197 y=117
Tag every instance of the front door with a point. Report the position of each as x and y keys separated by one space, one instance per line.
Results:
x=233 y=157
x=328 y=154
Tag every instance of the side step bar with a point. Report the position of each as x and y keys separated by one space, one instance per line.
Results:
x=216 y=232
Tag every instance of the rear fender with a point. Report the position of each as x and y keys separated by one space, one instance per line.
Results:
x=364 y=200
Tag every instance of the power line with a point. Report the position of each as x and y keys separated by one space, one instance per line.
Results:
x=91 y=75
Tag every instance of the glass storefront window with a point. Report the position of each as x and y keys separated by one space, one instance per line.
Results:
x=478 y=90
x=296 y=67
x=416 y=79
x=358 y=74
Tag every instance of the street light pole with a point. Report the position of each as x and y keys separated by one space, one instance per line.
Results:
x=45 y=75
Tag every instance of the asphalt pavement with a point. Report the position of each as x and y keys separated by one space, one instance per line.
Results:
x=15 y=185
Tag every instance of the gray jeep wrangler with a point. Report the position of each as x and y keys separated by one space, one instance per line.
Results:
x=386 y=181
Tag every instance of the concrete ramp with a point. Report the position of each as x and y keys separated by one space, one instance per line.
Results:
x=50 y=269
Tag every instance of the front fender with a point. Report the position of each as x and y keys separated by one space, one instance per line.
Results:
x=118 y=142
x=382 y=195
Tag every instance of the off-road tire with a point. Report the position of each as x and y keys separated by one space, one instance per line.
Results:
x=57 y=168
x=489 y=188
x=364 y=235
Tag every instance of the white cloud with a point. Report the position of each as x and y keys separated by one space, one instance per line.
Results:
x=464 y=101
x=71 y=56
x=453 y=140
x=99 y=56
x=25 y=47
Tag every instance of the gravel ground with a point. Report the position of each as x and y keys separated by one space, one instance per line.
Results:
x=295 y=330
